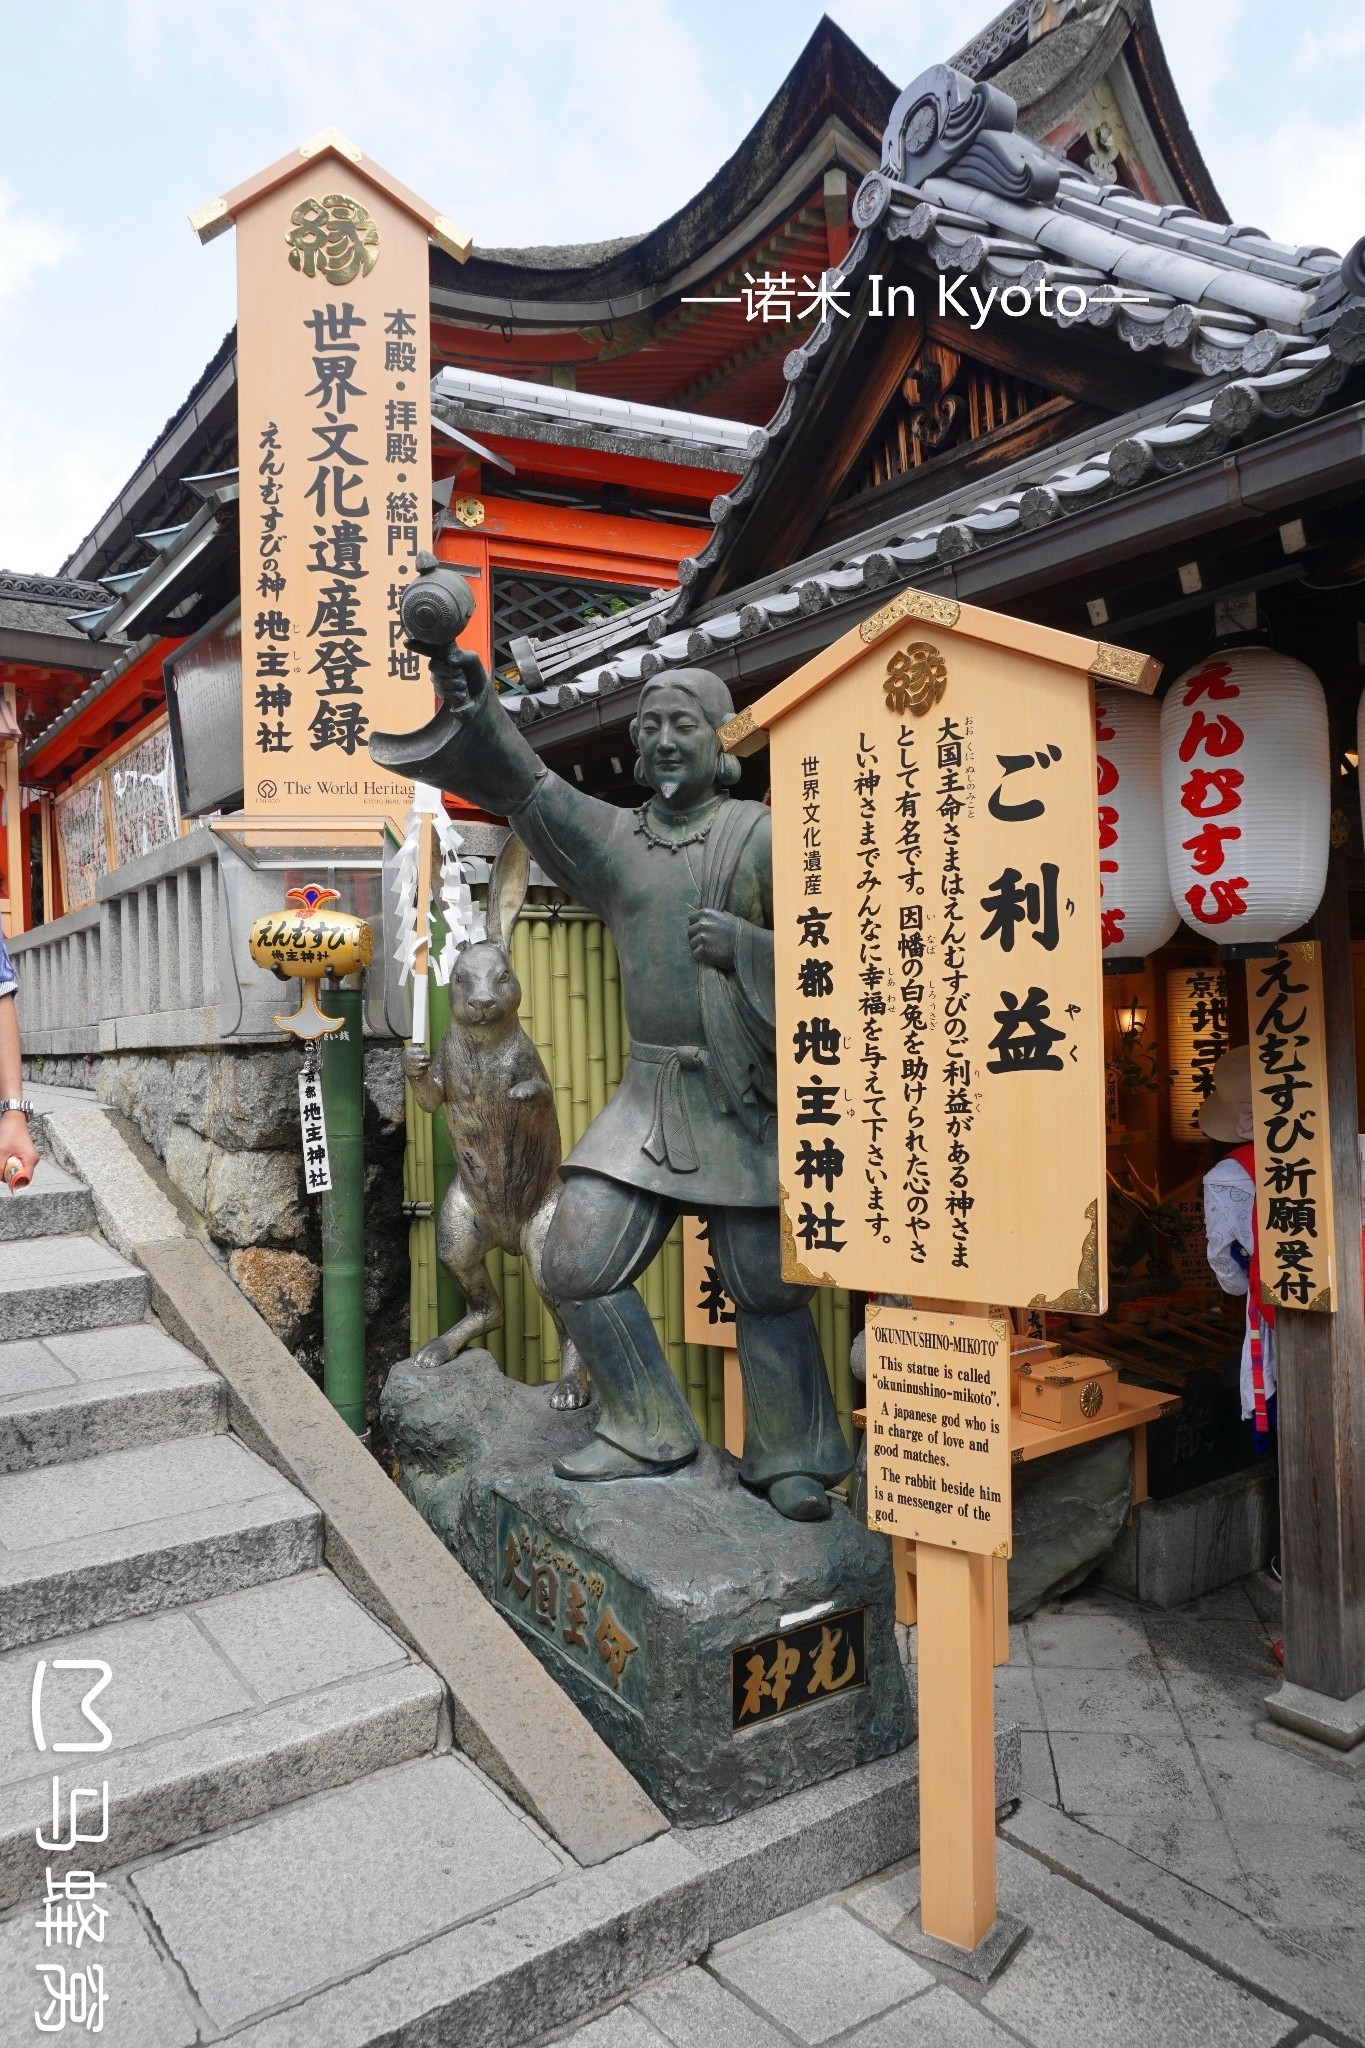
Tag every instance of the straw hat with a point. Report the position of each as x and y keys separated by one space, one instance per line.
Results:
x=1225 y=1115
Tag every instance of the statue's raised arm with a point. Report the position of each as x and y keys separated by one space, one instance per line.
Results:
x=472 y=748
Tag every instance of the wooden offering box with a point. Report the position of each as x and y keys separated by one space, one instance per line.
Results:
x=1065 y=1393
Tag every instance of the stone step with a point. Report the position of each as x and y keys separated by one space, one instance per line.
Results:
x=218 y=1712
x=94 y=1391
x=52 y=1205
x=50 y=1285
x=101 y=1539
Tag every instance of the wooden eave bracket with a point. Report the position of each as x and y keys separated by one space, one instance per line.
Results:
x=747 y=732
x=218 y=216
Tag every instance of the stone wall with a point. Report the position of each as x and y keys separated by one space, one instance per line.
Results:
x=225 y=1123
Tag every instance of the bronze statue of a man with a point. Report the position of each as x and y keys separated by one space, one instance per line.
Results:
x=685 y=885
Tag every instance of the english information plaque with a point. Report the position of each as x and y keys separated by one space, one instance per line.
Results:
x=938 y=1435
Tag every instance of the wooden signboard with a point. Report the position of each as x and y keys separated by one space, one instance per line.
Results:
x=334 y=433
x=1197 y=1036
x=938 y=1428
x=1291 y=1132
x=709 y=1318
x=937 y=938
x=936 y=915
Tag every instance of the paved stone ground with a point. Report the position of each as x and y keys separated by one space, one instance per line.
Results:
x=1183 y=1883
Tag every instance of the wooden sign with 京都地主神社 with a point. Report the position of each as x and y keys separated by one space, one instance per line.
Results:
x=940 y=1076
x=334 y=433
x=937 y=940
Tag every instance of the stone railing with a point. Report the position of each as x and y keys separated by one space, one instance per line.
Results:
x=159 y=960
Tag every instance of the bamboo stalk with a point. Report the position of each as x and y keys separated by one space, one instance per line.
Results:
x=597 y=1045
x=578 y=1028
x=561 y=1072
x=613 y=1020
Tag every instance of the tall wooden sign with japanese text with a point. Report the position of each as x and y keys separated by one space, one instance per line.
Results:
x=936 y=917
x=334 y=424
x=1291 y=1133
x=939 y=1016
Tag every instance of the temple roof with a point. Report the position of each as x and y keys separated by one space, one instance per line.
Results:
x=1256 y=333
x=1088 y=75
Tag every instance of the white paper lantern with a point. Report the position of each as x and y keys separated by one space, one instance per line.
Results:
x=1136 y=911
x=1246 y=790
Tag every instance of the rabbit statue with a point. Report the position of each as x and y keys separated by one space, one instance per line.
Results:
x=488 y=1079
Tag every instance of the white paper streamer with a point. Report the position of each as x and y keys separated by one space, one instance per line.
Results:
x=450 y=892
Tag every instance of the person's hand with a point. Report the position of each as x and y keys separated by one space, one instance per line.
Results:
x=712 y=935
x=15 y=1142
x=460 y=676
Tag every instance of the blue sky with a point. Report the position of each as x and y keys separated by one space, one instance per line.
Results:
x=526 y=121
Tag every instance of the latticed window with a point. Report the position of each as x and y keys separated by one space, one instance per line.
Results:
x=538 y=606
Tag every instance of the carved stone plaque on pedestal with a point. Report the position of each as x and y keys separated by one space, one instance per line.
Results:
x=726 y=1655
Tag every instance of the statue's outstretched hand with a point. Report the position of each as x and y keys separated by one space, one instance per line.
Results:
x=712 y=935
x=460 y=676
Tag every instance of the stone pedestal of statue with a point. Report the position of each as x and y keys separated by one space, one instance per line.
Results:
x=726 y=1655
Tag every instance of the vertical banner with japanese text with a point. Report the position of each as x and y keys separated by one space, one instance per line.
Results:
x=1291 y=1132
x=937 y=945
x=333 y=377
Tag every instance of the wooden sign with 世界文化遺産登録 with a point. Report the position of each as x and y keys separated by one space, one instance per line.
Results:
x=334 y=430
x=936 y=916
x=938 y=1428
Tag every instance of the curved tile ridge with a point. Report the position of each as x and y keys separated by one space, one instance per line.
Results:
x=1192 y=432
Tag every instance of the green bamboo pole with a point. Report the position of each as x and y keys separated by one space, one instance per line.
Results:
x=542 y=1005
x=561 y=1071
x=613 y=1016
x=343 y=1211
x=578 y=1027
x=593 y=970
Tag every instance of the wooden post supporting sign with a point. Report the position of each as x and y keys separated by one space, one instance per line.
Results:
x=941 y=1099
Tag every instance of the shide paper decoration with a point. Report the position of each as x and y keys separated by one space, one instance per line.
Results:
x=463 y=922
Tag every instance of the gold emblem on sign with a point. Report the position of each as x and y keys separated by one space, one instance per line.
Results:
x=1092 y=1399
x=469 y=511
x=333 y=238
x=916 y=677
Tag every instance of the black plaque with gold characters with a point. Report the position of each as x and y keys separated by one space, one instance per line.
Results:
x=798 y=1668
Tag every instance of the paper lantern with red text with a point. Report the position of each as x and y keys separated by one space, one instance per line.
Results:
x=1136 y=912
x=1246 y=788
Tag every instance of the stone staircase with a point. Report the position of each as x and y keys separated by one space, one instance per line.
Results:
x=295 y=1856
x=287 y=1748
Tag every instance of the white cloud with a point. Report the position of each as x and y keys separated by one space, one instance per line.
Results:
x=1302 y=183
x=527 y=122
x=28 y=244
x=1204 y=46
